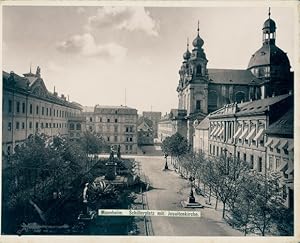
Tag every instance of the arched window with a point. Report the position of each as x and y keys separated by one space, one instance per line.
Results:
x=72 y=127
x=78 y=126
x=212 y=101
x=239 y=96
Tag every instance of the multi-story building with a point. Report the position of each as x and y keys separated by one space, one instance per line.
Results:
x=238 y=129
x=172 y=123
x=200 y=144
x=280 y=153
x=145 y=131
x=28 y=107
x=116 y=124
x=155 y=117
x=202 y=90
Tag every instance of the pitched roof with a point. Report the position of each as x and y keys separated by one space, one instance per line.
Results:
x=248 y=108
x=232 y=76
x=145 y=120
x=204 y=124
x=284 y=125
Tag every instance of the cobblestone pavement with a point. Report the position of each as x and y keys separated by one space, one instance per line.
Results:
x=166 y=192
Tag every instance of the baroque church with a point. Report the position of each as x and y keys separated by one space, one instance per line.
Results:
x=202 y=90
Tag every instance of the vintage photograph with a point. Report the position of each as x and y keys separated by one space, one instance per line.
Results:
x=135 y=120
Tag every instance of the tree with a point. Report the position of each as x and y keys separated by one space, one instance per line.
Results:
x=259 y=205
x=225 y=176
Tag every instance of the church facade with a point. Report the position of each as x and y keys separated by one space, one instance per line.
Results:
x=202 y=90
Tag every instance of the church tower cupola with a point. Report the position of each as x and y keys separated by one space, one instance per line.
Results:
x=187 y=54
x=269 y=31
x=198 y=42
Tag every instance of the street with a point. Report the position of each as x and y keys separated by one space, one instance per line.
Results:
x=167 y=190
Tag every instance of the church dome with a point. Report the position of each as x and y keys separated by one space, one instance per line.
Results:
x=269 y=55
x=198 y=42
x=270 y=25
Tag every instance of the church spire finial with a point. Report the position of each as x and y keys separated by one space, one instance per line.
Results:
x=269 y=13
x=187 y=44
x=198 y=28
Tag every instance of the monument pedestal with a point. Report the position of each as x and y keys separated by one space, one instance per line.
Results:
x=191 y=202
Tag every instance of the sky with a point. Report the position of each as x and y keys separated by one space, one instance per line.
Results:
x=98 y=54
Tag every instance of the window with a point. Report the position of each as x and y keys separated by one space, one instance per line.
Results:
x=238 y=155
x=36 y=125
x=57 y=113
x=198 y=105
x=198 y=70
x=17 y=125
x=130 y=147
x=50 y=112
x=72 y=127
x=23 y=107
x=78 y=126
x=277 y=163
x=9 y=126
x=53 y=125
x=286 y=151
x=30 y=108
x=43 y=110
x=116 y=120
x=130 y=129
x=100 y=119
x=9 y=106
x=217 y=151
x=259 y=166
x=47 y=111
x=213 y=149
x=46 y=124
x=37 y=110
x=108 y=139
x=49 y=125
x=130 y=139
x=18 y=106
x=108 y=120
x=251 y=161
x=42 y=125
x=271 y=163
x=8 y=150
x=53 y=112
x=278 y=150
x=245 y=156
x=116 y=129
x=23 y=125
x=127 y=129
x=116 y=139
x=91 y=119
x=91 y=128
x=30 y=125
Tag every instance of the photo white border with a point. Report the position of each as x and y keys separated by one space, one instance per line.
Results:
x=172 y=239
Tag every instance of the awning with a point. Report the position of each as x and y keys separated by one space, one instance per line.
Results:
x=244 y=134
x=220 y=132
x=275 y=143
x=214 y=129
x=283 y=144
x=270 y=140
x=238 y=132
x=283 y=166
x=289 y=170
x=216 y=132
x=259 y=135
x=251 y=134
x=291 y=146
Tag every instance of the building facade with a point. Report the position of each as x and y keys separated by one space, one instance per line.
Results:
x=200 y=144
x=238 y=129
x=28 y=108
x=155 y=117
x=280 y=153
x=145 y=131
x=116 y=124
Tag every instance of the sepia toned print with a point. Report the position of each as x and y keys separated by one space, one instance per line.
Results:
x=148 y=121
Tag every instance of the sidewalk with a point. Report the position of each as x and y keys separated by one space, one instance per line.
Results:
x=209 y=211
